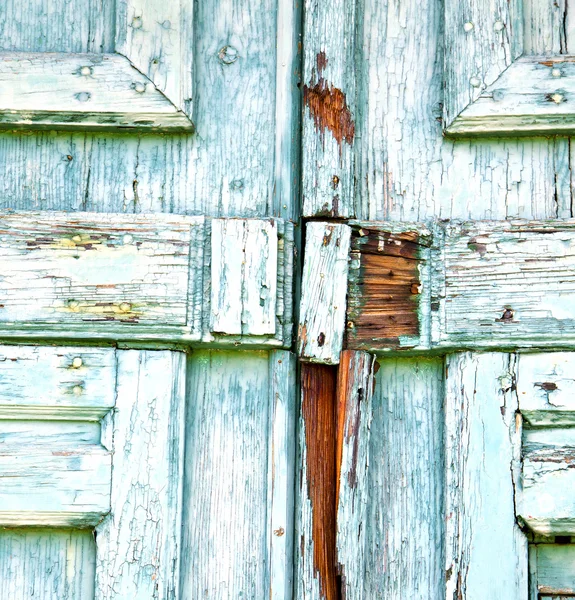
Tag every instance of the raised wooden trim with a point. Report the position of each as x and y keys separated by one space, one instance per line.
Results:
x=82 y=91
x=535 y=95
x=141 y=278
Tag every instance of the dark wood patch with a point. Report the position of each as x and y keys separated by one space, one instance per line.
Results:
x=318 y=388
x=384 y=288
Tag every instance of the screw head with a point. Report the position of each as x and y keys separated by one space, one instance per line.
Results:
x=77 y=362
x=475 y=82
x=467 y=27
x=127 y=239
x=499 y=26
x=125 y=307
x=556 y=73
x=228 y=55
x=86 y=71
x=140 y=87
x=557 y=98
x=83 y=96
x=137 y=23
x=77 y=389
x=73 y=304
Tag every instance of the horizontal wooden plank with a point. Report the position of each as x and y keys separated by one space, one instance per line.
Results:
x=535 y=95
x=55 y=485
x=457 y=285
x=70 y=383
x=138 y=277
x=546 y=503
x=82 y=91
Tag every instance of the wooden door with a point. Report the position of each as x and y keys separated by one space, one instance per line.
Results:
x=149 y=188
x=437 y=182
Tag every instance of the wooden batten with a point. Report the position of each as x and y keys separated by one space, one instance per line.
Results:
x=155 y=278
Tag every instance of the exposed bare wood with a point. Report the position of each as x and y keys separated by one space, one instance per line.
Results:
x=355 y=387
x=388 y=274
x=82 y=91
x=316 y=574
x=322 y=306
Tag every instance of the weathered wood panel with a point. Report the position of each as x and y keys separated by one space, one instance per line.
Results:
x=316 y=573
x=69 y=383
x=405 y=522
x=141 y=277
x=47 y=564
x=482 y=39
x=329 y=98
x=322 y=305
x=483 y=442
x=553 y=569
x=534 y=96
x=139 y=542
x=157 y=38
x=244 y=273
x=53 y=484
x=281 y=474
x=81 y=91
x=544 y=504
x=355 y=387
x=63 y=26
x=225 y=526
x=546 y=388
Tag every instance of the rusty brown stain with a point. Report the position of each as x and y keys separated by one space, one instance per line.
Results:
x=328 y=106
x=548 y=386
x=383 y=295
x=318 y=388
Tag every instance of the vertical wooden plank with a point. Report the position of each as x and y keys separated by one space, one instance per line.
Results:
x=405 y=521
x=288 y=110
x=281 y=474
x=355 y=388
x=157 y=37
x=486 y=553
x=545 y=31
x=324 y=290
x=482 y=39
x=316 y=501
x=329 y=97
x=244 y=267
x=49 y=564
x=225 y=542
x=139 y=542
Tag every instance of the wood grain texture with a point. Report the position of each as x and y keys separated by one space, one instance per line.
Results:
x=388 y=274
x=225 y=516
x=355 y=387
x=322 y=305
x=139 y=542
x=157 y=38
x=329 y=98
x=142 y=277
x=405 y=521
x=244 y=276
x=49 y=564
x=483 y=443
x=63 y=26
x=81 y=91
x=482 y=39
x=68 y=383
x=546 y=389
x=316 y=535
x=534 y=96
x=281 y=474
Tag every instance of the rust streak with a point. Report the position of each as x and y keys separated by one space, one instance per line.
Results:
x=318 y=388
x=328 y=107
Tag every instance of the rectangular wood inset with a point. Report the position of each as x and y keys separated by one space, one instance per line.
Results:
x=385 y=286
